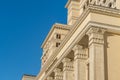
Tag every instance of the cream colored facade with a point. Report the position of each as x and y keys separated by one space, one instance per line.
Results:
x=28 y=77
x=87 y=47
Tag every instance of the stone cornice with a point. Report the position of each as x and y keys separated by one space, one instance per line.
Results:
x=111 y=12
x=57 y=26
x=105 y=10
x=109 y=28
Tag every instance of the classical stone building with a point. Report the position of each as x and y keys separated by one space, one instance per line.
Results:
x=87 y=47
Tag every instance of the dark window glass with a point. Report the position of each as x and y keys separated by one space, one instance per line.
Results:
x=57 y=44
x=58 y=36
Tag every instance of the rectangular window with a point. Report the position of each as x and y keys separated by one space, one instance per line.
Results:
x=57 y=44
x=58 y=36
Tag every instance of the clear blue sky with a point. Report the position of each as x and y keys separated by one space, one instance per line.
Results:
x=24 y=25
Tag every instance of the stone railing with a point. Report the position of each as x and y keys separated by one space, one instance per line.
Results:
x=104 y=3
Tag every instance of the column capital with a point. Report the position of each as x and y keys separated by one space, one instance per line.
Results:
x=57 y=70
x=96 y=35
x=79 y=52
x=66 y=60
x=77 y=47
x=67 y=64
x=95 y=30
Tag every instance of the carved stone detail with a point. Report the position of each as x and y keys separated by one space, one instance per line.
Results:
x=79 y=52
x=68 y=69
x=67 y=64
x=96 y=53
x=111 y=3
x=104 y=3
x=58 y=74
x=96 y=35
x=80 y=62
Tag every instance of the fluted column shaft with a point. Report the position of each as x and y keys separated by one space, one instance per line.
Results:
x=80 y=66
x=68 y=72
x=96 y=54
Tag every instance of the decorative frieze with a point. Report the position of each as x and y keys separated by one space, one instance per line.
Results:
x=110 y=3
x=104 y=3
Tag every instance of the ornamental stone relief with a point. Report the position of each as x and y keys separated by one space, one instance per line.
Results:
x=104 y=3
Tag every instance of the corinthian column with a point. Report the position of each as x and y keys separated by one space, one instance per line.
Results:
x=80 y=66
x=68 y=73
x=96 y=54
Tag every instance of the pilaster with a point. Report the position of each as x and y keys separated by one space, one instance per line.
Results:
x=73 y=7
x=80 y=65
x=68 y=72
x=96 y=53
